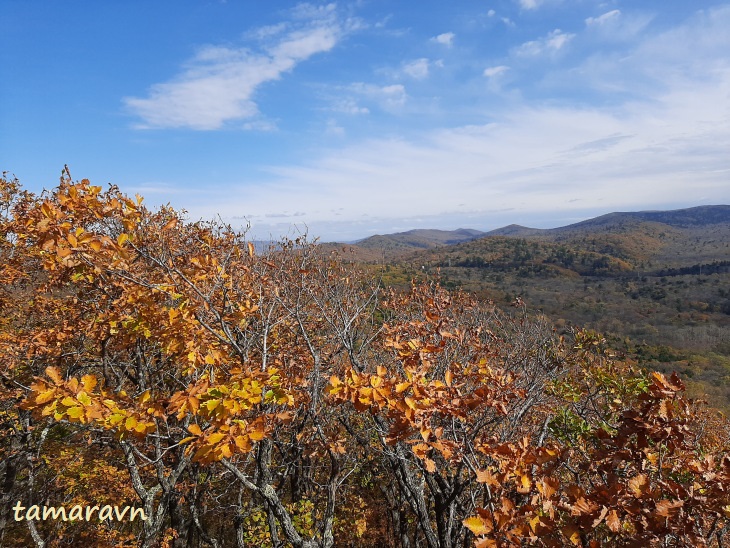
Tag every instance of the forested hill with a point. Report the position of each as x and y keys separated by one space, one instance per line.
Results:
x=700 y=216
x=656 y=282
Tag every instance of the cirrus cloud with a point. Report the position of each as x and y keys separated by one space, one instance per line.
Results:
x=217 y=85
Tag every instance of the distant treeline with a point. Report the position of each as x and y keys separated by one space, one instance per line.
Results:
x=716 y=267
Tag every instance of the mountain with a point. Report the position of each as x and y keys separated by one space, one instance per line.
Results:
x=514 y=230
x=671 y=238
x=419 y=239
x=700 y=216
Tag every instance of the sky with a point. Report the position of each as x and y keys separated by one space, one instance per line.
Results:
x=346 y=119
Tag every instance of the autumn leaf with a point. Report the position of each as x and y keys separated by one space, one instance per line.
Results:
x=476 y=525
x=613 y=521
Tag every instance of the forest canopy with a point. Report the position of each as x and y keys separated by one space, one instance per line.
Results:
x=284 y=397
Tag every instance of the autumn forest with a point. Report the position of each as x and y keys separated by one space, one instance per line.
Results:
x=290 y=396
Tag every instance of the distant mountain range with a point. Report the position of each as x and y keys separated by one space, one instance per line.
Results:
x=650 y=224
x=656 y=283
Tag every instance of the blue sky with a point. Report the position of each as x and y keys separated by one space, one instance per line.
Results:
x=353 y=118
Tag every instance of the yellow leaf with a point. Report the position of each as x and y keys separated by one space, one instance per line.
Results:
x=525 y=484
x=89 y=382
x=116 y=418
x=257 y=435
x=75 y=412
x=84 y=398
x=402 y=387
x=195 y=429
x=130 y=423
x=212 y=404
x=45 y=397
x=476 y=525
x=243 y=443
x=216 y=437
x=95 y=245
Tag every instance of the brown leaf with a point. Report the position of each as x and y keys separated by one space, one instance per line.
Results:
x=667 y=508
x=613 y=521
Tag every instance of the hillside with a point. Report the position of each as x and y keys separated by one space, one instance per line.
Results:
x=419 y=239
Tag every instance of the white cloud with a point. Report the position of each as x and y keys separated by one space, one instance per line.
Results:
x=218 y=83
x=531 y=160
x=615 y=26
x=604 y=19
x=417 y=69
x=349 y=106
x=333 y=128
x=664 y=147
x=392 y=97
x=447 y=39
x=491 y=72
x=491 y=13
x=530 y=4
x=552 y=43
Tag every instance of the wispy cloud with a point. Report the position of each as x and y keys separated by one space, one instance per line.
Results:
x=659 y=150
x=552 y=43
x=390 y=97
x=217 y=85
x=447 y=39
x=348 y=105
x=491 y=72
x=530 y=4
x=606 y=18
x=417 y=69
x=615 y=26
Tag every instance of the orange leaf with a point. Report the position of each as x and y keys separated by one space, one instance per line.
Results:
x=54 y=374
x=430 y=465
x=170 y=224
x=402 y=387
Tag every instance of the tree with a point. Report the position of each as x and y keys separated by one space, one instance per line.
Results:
x=285 y=398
